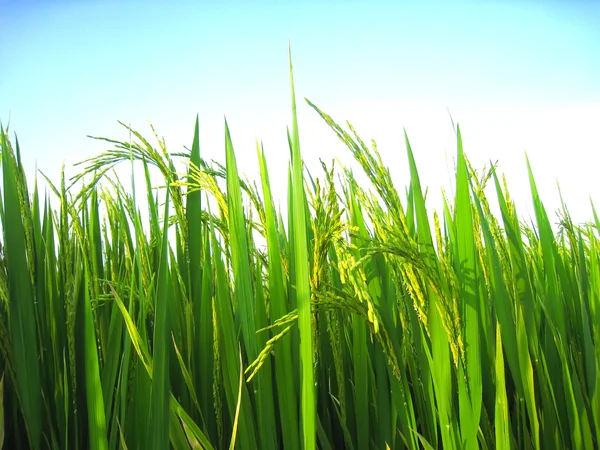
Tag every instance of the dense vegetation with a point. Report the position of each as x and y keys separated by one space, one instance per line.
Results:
x=358 y=321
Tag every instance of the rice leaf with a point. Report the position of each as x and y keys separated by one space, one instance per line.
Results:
x=95 y=401
x=308 y=399
x=22 y=324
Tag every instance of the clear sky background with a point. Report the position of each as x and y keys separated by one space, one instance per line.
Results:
x=517 y=76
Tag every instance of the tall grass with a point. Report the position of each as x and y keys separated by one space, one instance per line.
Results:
x=360 y=323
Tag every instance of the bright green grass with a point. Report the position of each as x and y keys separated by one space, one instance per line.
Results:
x=360 y=323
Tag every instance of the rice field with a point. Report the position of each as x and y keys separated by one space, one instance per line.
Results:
x=359 y=320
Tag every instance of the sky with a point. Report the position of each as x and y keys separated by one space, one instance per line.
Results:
x=519 y=77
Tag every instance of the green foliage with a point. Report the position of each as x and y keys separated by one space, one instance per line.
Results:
x=363 y=322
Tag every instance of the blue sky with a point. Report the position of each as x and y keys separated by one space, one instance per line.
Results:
x=517 y=76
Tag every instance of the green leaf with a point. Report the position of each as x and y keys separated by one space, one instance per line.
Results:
x=95 y=400
x=22 y=323
x=309 y=401
x=158 y=424
x=288 y=401
x=471 y=387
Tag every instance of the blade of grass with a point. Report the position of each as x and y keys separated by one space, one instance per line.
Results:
x=288 y=404
x=22 y=325
x=95 y=400
x=240 y=262
x=302 y=284
x=158 y=424
x=471 y=385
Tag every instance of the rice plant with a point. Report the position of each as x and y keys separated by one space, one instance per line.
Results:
x=359 y=320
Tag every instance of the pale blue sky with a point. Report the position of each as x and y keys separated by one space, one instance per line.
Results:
x=517 y=76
